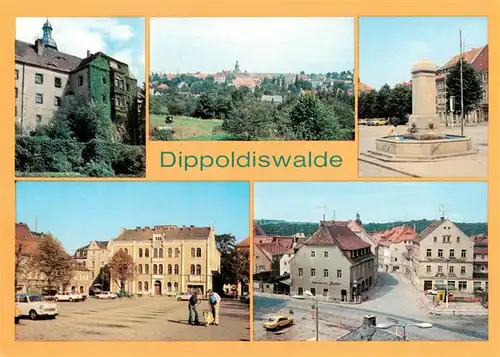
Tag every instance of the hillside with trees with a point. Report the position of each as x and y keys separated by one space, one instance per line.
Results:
x=291 y=228
x=296 y=112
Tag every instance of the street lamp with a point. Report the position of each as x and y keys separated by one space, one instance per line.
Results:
x=309 y=294
x=396 y=323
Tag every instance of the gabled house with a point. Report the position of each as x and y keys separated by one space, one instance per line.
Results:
x=333 y=264
x=441 y=255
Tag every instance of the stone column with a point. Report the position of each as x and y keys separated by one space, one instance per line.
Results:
x=424 y=121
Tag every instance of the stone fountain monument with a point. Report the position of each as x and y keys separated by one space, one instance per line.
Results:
x=423 y=141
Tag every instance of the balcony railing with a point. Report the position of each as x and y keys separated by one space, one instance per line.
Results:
x=195 y=278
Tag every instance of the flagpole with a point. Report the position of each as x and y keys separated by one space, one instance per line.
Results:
x=461 y=86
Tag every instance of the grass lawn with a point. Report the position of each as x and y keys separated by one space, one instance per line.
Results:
x=188 y=128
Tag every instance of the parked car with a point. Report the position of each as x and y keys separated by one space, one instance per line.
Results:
x=369 y=122
x=183 y=297
x=362 y=122
x=380 y=122
x=68 y=296
x=106 y=295
x=124 y=294
x=17 y=315
x=245 y=298
x=34 y=306
x=278 y=322
x=300 y=297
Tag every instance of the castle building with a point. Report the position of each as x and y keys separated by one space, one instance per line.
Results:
x=45 y=77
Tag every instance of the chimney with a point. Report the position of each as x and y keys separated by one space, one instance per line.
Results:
x=39 y=46
x=442 y=218
x=369 y=321
x=88 y=53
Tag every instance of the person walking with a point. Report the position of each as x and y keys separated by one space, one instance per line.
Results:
x=193 y=312
x=214 y=301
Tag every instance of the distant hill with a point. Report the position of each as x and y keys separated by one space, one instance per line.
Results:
x=290 y=228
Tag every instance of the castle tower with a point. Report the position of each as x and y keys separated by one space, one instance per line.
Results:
x=48 y=41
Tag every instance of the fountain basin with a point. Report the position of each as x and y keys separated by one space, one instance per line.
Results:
x=404 y=148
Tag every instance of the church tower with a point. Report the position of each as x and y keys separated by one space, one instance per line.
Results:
x=237 y=68
x=48 y=41
x=358 y=219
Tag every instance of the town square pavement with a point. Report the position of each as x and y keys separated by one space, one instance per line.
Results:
x=465 y=166
x=138 y=319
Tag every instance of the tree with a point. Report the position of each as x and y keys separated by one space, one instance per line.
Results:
x=21 y=262
x=235 y=263
x=121 y=267
x=473 y=92
x=400 y=101
x=311 y=120
x=51 y=260
x=251 y=119
x=366 y=102
x=382 y=102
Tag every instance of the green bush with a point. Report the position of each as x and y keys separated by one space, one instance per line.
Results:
x=100 y=151
x=129 y=160
x=43 y=154
x=97 y=169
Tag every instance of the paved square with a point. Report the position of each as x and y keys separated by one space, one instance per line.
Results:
x=465 y=166
x=138 y=319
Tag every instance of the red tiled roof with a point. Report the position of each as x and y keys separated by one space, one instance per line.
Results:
x=362 y=87
x=399 y=234
x=339 y=235
x=469 y=56
x=244 y=82
x=257 y=229
x=275 y=248
x=244 y=243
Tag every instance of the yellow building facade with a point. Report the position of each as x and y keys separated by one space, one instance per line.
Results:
x=169 y=259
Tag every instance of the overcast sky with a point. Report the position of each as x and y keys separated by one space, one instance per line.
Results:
x=261 y=45
x=121 y=38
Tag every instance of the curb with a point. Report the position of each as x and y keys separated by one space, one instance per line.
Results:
x=388 y=168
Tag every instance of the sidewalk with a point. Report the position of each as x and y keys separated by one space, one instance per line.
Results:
x=459 y=308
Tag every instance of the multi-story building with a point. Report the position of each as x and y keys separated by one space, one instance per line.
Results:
x=46 y=77
x=334 y=264
x=169 y=259
x=478 y=58
x=26 y=244
x=392 y=245
x=441 y=255
x=357 y=227
x=480 y=270
x=94 y=256
x=82 y=279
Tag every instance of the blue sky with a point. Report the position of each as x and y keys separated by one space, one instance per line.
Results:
x=119 y=37
x=78 y=212
x=388 y=46
x=375 y=201
x=261 y=45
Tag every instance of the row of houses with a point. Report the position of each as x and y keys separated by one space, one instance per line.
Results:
x=167 y=259
x=478 y=58
x=341 y=260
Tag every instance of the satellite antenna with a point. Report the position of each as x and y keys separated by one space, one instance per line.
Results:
x=324 y=209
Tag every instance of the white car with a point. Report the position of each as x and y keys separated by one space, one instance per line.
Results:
x=300 y=297
x=106 y=295
x=68 y=296
x=183 y=296
x=34 y=306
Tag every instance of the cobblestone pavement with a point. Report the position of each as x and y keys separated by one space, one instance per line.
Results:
x=465 y=166
x=138 y=319
x=396 y=298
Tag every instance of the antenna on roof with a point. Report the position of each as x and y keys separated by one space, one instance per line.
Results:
x=324 y=209
x=36 y=223
x=442 y=209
